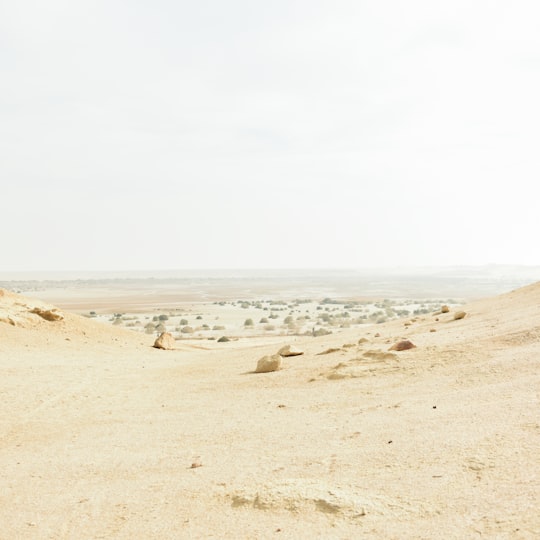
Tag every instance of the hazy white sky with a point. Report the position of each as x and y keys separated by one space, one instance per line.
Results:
x=176 y=134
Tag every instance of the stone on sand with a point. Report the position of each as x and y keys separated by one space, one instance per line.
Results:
x=165 y=341
x=290 y=350
x=459 y=315
x=402 y=345
x=268 y=363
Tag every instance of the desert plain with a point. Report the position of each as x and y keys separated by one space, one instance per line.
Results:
x=105 y=436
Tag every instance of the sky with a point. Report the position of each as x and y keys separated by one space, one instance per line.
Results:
x=283 y=134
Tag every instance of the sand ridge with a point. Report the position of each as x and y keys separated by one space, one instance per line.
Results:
x=99 y=431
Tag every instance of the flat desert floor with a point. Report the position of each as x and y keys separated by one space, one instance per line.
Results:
x=103 y=436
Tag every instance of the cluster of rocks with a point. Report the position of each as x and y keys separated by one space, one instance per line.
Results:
x=273 y=362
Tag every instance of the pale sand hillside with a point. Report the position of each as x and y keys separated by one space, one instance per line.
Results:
x=99 y=431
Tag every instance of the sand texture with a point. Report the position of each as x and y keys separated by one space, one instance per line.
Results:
x=104 y=436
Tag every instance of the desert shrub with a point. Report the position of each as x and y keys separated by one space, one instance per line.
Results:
x=218 y=327
x=223 y=339
x=183 y=322
x=155 y=318
x=273 y=315
x=288 y=320
x=264 y=320
x=199 y=317
x=117 y=321
x=160 y=328
x=187 y=330
x=163 y=317
x=248 y=322
x=269 y=328
x=320 y=332
x=205 y=327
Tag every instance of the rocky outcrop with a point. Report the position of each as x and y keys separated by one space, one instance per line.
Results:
x=48 y=314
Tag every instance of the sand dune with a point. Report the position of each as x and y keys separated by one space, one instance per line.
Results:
x=103 y=436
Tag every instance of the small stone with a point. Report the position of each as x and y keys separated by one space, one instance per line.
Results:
x=402 y=345
x=290 y=350
x=459 y=315
x=445 y=309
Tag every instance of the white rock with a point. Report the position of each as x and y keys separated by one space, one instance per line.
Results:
x=290 y=350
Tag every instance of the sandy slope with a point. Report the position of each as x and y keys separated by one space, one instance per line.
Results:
x=99 y=431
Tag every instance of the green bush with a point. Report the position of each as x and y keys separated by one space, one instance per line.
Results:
x=320 y=332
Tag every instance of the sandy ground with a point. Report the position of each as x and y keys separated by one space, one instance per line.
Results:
x=103 y=436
